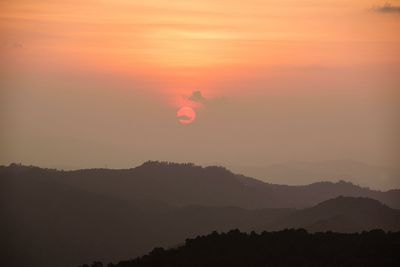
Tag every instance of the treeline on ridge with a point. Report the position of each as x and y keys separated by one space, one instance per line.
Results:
x=290 y=247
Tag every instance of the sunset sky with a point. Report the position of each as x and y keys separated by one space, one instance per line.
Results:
x=99 y=83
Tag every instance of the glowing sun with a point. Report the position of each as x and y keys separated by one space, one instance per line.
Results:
x=186 y=115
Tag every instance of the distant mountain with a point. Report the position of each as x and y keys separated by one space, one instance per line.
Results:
x=342 y=214
x=298 y=172
x=284 y=248
x=48 y=223
x=49 y=219
x=171 y=184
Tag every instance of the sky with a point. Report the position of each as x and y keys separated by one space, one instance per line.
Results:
x=99 y=83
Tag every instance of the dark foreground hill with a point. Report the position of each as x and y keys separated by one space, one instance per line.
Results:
x=170 y=184
x=284 y=248
x=46 y=222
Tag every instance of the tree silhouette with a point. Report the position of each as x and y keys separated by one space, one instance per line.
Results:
x=284 y=248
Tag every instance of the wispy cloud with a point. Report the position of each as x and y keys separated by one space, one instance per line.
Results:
x=387 y=8
x=196 y=96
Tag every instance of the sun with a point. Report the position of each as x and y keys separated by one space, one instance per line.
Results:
x=186 y=115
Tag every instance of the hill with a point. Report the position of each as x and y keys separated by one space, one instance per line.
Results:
x=342 y=214
x=284 y=248
x=171 y=184
x=45 y=223
x=49 y=222
x=300 y=172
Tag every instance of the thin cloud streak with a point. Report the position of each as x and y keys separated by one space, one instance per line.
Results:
x=387 y=8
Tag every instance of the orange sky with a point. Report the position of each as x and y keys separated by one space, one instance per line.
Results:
x=286 y=79
x=189 y=42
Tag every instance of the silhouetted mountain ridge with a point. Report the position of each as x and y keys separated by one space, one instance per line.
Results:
x=342 y=214
x=49 y=221
x=283 y=248
x=173 y=184
x=303 y=172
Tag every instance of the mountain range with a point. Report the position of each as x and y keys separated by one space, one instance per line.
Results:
x=303 y=172
x=65 y=218
x=289 y=247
